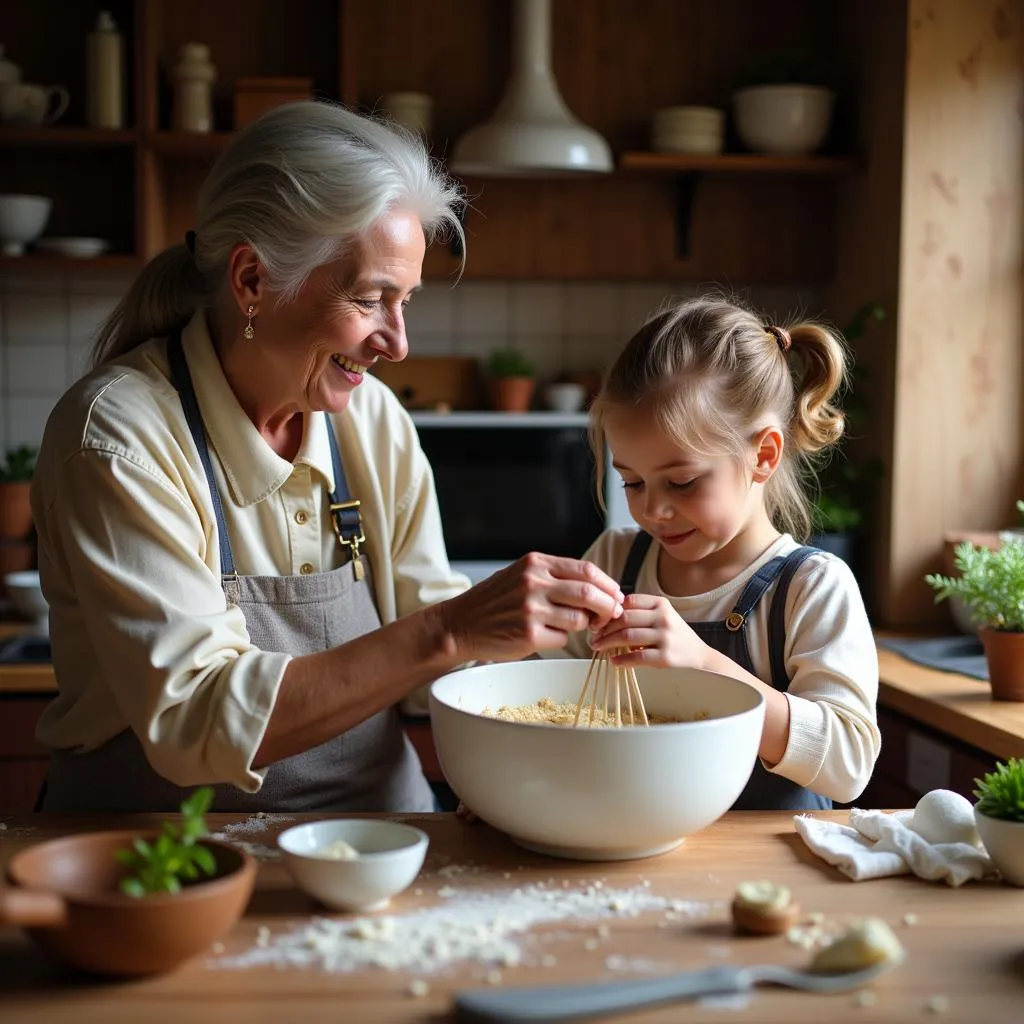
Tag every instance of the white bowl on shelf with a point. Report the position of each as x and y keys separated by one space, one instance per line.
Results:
x=596 y=794
x=80 y=248
x=22 y=220
x=26 y=597
x=783 y=120
x=389 y=857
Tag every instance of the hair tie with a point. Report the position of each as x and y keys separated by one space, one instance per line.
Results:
x=190 y=242
x=781 y=335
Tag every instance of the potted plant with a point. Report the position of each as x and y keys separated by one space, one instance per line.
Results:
x=846 y=486
x=16 y=470
x=783 y=107
x=991 y=586
x=999 y=815
x=510 y=380
x=129 y=902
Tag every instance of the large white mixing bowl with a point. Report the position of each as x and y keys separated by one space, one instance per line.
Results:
x=596 y=794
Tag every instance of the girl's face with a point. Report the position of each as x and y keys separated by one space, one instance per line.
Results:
x=349 y=314
x=694 y=505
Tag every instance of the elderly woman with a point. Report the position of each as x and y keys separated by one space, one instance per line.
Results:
x=239 y=537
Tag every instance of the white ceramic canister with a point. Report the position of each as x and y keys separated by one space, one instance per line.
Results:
x=412 y=110
x=104 y=74
x=193 y=77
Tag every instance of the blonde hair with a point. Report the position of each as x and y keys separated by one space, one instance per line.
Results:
x=299 y=185
x=711 y=373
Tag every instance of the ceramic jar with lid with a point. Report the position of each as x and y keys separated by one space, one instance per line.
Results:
x=193 y=77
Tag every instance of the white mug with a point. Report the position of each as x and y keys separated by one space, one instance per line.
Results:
x=24 y=103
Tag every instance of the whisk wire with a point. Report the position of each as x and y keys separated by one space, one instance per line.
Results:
x=603 y=684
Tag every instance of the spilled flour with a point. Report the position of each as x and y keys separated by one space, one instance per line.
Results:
x=253 y=826
x=490 y=928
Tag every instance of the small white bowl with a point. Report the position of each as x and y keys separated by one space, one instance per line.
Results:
x=390 y=858
x=26 y=595
x=22 y=220
x=76 y=248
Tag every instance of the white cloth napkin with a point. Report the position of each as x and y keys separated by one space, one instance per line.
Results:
x=876 y=844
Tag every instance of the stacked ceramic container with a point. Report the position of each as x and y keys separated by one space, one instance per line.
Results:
x=688 y=130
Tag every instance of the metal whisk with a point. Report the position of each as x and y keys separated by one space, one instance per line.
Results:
x=608 y=681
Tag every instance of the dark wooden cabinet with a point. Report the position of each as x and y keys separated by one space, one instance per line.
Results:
x=22 y=760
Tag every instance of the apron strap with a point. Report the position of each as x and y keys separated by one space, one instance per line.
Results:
x=183 y=382
x=777 y=615
x=635 y=559
x=752 y=593
x=345 y=514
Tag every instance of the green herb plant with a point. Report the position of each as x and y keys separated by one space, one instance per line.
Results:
x=509 y=362
x=18 y=465
x=990 y=584
x=175 y=855
x=844 y=486
x=1001 y=792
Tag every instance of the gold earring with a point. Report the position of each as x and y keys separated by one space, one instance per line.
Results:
x=249 y=332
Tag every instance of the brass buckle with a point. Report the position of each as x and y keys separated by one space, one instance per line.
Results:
x=352 y=543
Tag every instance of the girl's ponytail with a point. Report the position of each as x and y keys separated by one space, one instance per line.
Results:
x=817 y=423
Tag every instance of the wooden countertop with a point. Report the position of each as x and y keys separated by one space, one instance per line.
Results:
x=966 y=944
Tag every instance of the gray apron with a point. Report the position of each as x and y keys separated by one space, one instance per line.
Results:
x=372 y=767
x=765 y=791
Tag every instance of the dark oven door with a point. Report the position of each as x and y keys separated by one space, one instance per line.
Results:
x=504 y=491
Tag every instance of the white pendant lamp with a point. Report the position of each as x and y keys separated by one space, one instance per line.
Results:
x=532 y=133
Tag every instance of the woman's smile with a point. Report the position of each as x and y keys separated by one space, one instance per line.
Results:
x=350 y=369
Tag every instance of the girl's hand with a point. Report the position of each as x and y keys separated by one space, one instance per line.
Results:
x=654 y=633
x=532 y=605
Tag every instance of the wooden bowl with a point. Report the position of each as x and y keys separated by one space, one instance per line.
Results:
x=65 y=894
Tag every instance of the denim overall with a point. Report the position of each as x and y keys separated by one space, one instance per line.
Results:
x=765 y=791
x=370 y=767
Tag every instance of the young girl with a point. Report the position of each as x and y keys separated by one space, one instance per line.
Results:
x=710 y=416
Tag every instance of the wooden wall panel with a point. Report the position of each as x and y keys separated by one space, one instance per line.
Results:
x=959 y=385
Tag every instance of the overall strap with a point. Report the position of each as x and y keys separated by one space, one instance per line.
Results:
x=752 y=593
x=183 y=382
x=635 y=558
x=345 y=514
x=777 y=615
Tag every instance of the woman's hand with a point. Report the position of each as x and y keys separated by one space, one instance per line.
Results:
x=533 y=605
x=654 y=633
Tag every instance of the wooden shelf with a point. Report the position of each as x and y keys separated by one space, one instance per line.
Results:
x=44 y=262
x=188 y=145
x=734 y=163
x=31 y=137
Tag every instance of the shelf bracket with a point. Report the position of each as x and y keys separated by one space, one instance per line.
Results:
x=686 y=191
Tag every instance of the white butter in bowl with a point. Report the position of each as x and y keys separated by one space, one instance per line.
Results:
x=355 y=864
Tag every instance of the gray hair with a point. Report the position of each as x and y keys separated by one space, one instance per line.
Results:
x=299 y=185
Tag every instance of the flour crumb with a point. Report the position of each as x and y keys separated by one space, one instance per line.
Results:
x=417 y=892
x=506 y=874
x=865 y=998
x=418 y=988
x=603 y=931
x=263 y=936
x=446 y=892
x=938 y=1004
x=590 y=945
x=910 y=920
x=547 y=960
x=217 y=948
x=493 y=977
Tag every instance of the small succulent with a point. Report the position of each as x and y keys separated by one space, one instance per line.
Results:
x=18 y=465
x=509 y=362
x=1001 y=792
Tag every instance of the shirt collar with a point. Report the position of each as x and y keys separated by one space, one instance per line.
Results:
x=253 y=470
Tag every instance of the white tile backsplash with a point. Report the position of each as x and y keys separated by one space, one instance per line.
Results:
x=49 y=321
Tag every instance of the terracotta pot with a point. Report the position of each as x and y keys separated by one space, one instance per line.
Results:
x=1004 y=652
x=15 y=557
x=15 y=512
x=65 y=894
x=511 y=394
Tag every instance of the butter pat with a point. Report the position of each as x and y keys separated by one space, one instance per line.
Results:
x=338 y=850
x=762 y=896
x=763 y=908
x=864 y=944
